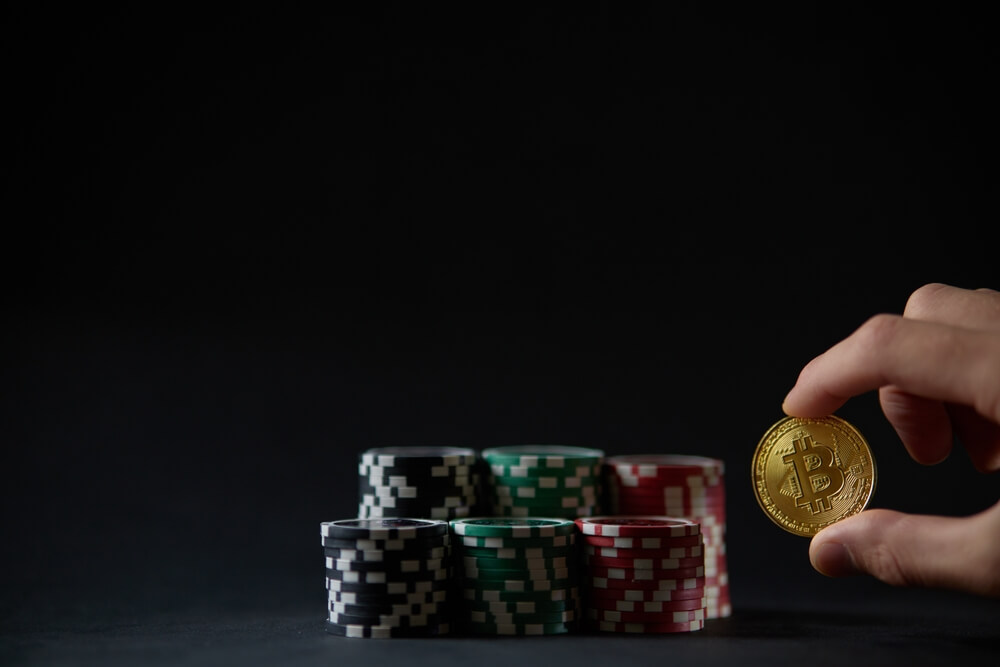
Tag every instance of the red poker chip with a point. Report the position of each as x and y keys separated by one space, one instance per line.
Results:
x=650 y=607
x=716 y=600
x=720 y=610
x=626 y=477
x=642 y=628
x=682 y=509
x=593 y=583
x=613 y=552
x=673 y=462
x=636 y=475
x=643 y=542
x=719 y=562
x=713 y=604
x=638 y=526
x=654 y=487
x=681 y=616
x=713 y=529
x=646 y=487
x=682 y=483
x=655 y=499
x=673 y=504
x=632 y=575
x=667 y=495
x=645 y=563
x=640 y=595
x=695 y=515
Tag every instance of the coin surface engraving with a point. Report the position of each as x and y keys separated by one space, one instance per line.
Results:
x=810 y=473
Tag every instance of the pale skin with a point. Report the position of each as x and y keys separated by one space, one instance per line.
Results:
x=937 y=372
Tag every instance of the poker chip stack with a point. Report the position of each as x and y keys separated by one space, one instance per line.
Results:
x=642 y=574
x=689 y=487
x=516 y=576
x=418 y=482
x=543 y=480
x=387 y=577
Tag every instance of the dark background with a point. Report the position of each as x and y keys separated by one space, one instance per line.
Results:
x=243 y=245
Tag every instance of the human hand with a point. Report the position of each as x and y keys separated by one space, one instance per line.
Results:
x=937 y=370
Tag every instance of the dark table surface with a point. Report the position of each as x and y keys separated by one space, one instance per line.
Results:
x=819 y=623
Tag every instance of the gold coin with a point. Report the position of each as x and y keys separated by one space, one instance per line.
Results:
x=810 y=473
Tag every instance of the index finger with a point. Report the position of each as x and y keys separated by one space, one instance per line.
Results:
x=927 y=359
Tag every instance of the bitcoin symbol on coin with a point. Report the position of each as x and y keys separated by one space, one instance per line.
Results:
x=810 y=473
x=814 y=462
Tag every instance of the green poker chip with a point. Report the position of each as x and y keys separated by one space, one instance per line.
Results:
x=540 y=505
x=521 y=607
x=520 y=553
x=535 y=493
x=507 y=564
x=541 y=574
x=472 y=594
x=519 y=629
x=461 y=543
x=552 y=482
x=554 y=512
x=545 y=456
x=500 y=618
x=515 y=527
x=521 y=585
x=536 y=474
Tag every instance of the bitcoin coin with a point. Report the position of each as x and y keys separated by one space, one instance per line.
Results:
x=810 y=473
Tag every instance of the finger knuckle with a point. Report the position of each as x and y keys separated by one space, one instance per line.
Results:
x=924 y=299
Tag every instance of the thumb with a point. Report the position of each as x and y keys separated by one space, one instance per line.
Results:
x=914 y=550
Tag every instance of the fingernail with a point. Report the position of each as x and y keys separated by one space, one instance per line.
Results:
x=834 y=560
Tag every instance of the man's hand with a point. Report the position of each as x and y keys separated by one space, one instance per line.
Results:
x=937 y=370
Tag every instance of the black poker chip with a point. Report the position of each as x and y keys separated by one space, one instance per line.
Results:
x=375 y=555
x=416 y=504
x=391 y=620
x=384 y=528
x=420 y=479
x=402 y=566
x=377 y=577
x=427 y=490
x=414 y=544
x=426 y=455
x=443 y=513
x=368 y=631
x=398 y=609
x=396 y=587
x=370 y=598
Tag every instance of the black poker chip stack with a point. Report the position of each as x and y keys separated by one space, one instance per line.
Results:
x=388 y=577
x=418 y=482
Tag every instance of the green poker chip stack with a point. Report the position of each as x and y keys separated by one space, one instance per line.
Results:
x=516 y=575
x=543 y=480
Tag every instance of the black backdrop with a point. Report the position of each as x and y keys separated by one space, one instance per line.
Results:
x=242 y=246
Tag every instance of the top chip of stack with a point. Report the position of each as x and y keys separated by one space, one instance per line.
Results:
x=387 y=577
x=691 y=487
x=416 y=481
x=543 y=480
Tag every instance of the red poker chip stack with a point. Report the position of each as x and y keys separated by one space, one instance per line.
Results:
x=642 y=574
x=674 y=485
